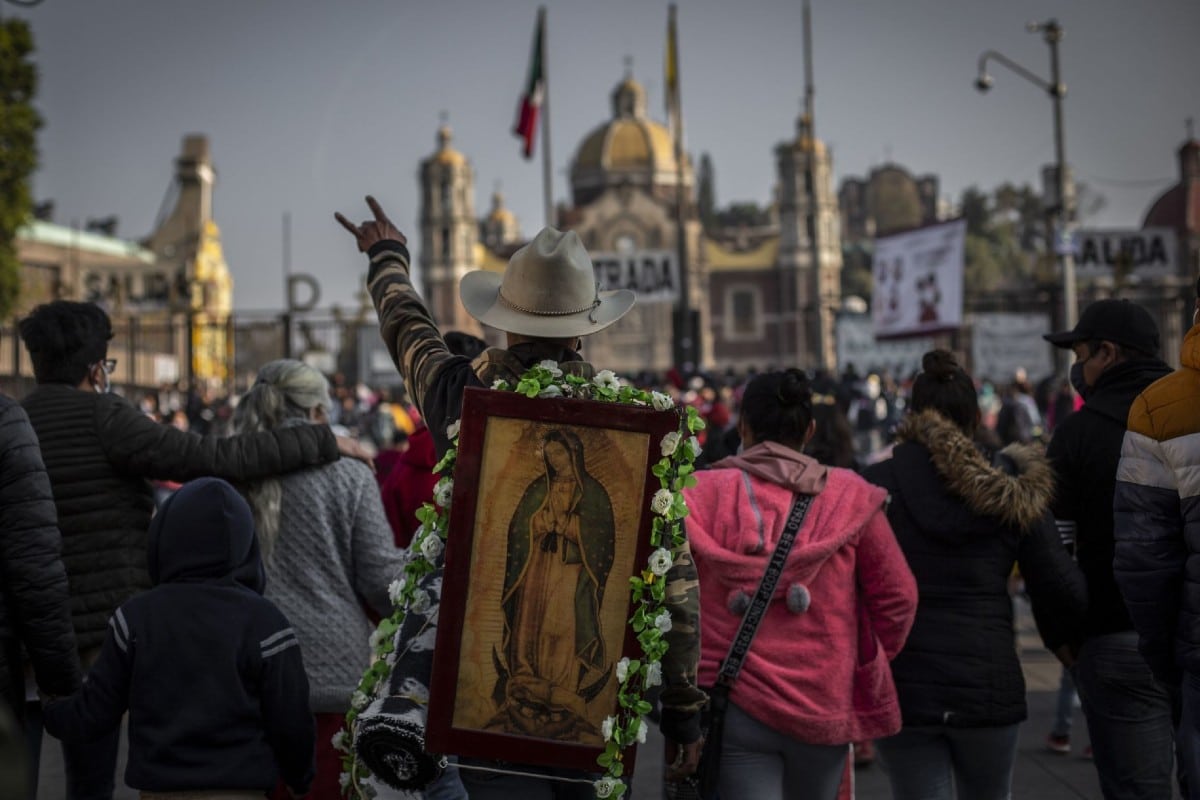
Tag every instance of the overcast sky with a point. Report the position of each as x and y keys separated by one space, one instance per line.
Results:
x=310 y=105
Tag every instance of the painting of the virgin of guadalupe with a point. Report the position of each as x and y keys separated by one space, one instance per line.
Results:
x=560 y=551
x=549 y=520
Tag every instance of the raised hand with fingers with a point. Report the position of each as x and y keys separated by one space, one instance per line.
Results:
x=373 y=231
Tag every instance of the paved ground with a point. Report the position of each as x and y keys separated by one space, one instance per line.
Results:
x=1039 y=774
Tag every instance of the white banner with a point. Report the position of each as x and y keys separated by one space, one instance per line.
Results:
x=919 y=280
x=653 y=274
x=856 y=345
x=1003 y=342
x=1149 y=252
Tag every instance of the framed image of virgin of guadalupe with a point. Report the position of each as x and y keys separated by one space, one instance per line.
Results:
x=550 y=518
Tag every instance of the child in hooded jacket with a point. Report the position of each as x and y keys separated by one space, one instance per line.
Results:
x=209 y=669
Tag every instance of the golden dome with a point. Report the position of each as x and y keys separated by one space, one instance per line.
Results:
x=447 y=154
x=627 y=143
x=805 y=141
x=630 y=140
x=630 y=149
x=499 y=213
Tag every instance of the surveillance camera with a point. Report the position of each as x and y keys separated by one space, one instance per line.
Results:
x=983 y=82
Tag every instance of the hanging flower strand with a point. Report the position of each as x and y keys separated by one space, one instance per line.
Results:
x=651 y=619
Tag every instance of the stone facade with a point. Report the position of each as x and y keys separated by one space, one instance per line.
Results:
x=770 y=302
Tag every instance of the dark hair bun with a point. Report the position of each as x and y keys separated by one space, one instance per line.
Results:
x=940 y=364
x=794 y=389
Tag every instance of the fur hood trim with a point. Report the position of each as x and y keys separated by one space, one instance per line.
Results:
x=1018 y=500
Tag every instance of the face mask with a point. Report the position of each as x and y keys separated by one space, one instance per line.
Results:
x=1076 y=374
x=1077 y=381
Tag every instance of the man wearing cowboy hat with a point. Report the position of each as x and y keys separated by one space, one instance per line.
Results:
x=546 y=302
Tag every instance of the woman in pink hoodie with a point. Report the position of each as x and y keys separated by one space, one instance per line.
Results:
x=817 y=674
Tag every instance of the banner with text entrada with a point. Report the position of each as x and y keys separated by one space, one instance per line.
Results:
x=652 y=274
x=919 y=280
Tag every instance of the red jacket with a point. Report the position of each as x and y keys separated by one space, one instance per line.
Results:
x=410 y=484
x=818 y=668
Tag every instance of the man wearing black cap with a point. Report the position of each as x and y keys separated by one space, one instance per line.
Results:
x=1157 y=514
x=1128 y=711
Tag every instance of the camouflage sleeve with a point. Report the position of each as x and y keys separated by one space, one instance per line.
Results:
x=681 y=698
x=407 y=327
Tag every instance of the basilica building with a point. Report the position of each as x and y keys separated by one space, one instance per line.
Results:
x=764 y=300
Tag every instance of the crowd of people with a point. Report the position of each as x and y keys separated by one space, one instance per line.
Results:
x=219 y=591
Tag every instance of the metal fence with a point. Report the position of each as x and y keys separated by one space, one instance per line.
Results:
x=155 y=352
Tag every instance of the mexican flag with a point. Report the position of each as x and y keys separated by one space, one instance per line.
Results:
x=535 y=88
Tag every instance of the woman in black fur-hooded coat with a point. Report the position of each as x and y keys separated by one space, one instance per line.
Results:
x=963 y=518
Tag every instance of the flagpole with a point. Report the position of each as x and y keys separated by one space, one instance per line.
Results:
x=686 y=346
x=818 y=345
x=547 y=173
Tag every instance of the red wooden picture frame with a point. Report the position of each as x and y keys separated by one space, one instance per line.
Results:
x=503 y=586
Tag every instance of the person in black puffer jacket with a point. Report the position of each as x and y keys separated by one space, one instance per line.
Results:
x=99 y=452
x=1131 y=716
x=35 y=611
x=963 y=519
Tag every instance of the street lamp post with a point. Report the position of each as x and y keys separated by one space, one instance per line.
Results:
x=1052 y=34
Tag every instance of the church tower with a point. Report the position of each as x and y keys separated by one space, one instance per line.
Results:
x=188 y=242
x=449 y=230
x=810 y=248
x=500 y=227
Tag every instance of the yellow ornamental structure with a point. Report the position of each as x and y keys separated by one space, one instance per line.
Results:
x=210 y=307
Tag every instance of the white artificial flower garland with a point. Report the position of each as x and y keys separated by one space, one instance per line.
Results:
x=650 y=619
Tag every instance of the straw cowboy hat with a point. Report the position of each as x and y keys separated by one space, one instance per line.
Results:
x=548 y=290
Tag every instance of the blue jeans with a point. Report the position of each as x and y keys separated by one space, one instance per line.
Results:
x=927 y=762
x=1129 y=718
x=448 y=786
x=759 y=762
x=1064 y=709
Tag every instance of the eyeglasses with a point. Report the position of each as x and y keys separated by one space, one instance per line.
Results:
x=109 y=365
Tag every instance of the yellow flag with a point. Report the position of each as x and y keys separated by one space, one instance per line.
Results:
x=672 y=66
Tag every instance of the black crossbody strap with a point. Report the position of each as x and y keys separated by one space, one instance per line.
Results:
x=732 y=664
